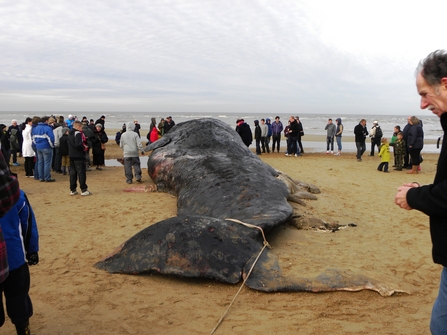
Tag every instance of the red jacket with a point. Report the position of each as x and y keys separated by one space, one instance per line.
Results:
x=153 y=135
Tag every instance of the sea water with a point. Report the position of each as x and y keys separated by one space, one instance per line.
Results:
x=313 y=124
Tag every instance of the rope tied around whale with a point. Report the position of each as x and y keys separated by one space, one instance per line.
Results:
x=265 y=245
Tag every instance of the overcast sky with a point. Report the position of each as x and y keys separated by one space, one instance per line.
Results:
x=304 y=56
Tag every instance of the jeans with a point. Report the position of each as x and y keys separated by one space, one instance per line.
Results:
x=78 y=171
x=263 y=140
x=438 y=321
x=292 y=144
x=258 y=146
x=14 y=155
x=330 y=142
x=267 y=143
x=361 y=148
x=129 y=163
x=277 y=140
x=57 y=160
x=338 y=139
x=44 y=158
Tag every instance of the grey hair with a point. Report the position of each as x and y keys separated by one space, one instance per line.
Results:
x=433 y=68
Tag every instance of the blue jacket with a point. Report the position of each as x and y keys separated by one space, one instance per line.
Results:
x=20 y=232
x=277 y=128
x=269 y=125
x=43 y=136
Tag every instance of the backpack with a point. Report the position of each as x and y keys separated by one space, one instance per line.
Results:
x=378 y=132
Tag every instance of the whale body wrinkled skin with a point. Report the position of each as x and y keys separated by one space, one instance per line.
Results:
x=216 y=177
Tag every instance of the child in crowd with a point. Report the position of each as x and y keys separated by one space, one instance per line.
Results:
x=22 y=244
x=399 y=151
x=63 y=148
x=393 y=140
x=384 y=153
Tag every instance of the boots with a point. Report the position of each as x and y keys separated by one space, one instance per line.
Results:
x=23 y=329
x=414 y=169
x=64 y=170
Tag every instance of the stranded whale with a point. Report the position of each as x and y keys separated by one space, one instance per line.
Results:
x=215 y=178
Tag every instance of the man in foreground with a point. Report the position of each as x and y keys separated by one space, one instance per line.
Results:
x=77 y=147
x=431 y=199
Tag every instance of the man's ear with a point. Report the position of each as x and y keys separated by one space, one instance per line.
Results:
x=444 y=82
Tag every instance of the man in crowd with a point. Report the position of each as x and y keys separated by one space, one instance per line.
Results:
x=360 y=132
x=376 y=137
x=169 y=123
x=431 y=83
x=277 y=128
x=77 y=148
x=43 y=138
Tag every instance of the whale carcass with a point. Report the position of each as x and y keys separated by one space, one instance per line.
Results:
x=216 y=178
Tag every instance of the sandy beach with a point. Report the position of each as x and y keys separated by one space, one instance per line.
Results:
x=70 y=296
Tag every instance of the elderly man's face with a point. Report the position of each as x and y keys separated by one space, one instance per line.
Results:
x=433 y=98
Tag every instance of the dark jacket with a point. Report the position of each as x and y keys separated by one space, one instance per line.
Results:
x=245 y=133
x=257 y=131
x=76 y=145
x=63 y=145
x=432 y=200
x=360 y=133
x=294 y=130
x=98 y=138
x=415 y=138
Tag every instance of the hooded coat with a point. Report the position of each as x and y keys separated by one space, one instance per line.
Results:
x=130 y=142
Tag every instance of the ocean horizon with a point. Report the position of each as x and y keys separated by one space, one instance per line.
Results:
x=313 y=124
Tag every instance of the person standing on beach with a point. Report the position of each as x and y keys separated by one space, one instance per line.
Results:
x=431 y=83
x=258 y=136
x=277 y=128
x=131 y=144
x=77 y=148
x=292 y=140
x=399 y=151
x=330 y=134
x=168 y=124
x=376 y=137
x=338 y=134
x=264 y=131
x=415 y=143
x=300 y=134
x=43 y=139
x=15 y=140
x=360 y=132
x=22 y=243
x=244 y=131
x=137 y=127
x=405 y=132
x=384 y=154
x=102 y=122
x=269 y=134
x=9 y=195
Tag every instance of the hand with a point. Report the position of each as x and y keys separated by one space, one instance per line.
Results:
x=401 y=197
x=33 y=258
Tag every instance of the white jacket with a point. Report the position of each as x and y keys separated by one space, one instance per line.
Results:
x=27 y=150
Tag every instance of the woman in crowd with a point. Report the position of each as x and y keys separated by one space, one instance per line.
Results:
x=98 y=145
x=415 y=143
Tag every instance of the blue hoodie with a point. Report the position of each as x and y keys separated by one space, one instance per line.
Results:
x=269 y=125
x=20 y=232
x=43 y=136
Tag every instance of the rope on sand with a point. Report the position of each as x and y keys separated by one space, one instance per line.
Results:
x=265 y=245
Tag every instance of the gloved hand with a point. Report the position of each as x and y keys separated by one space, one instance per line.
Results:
x=33 y=258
